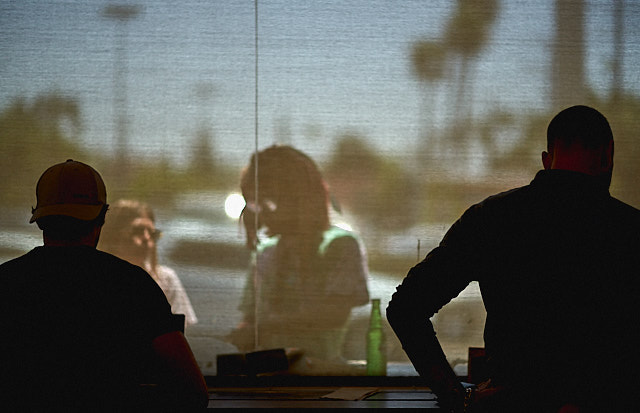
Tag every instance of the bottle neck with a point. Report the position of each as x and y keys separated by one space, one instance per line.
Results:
x=375 y=320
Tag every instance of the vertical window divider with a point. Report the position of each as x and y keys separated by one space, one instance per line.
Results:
x=256 y=281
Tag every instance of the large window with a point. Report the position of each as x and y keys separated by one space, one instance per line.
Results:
x=411 y=110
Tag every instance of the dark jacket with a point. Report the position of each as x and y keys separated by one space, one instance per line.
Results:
x=558 y=264
x=77 y=328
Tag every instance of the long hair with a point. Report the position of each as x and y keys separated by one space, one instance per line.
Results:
x=293 y=203
x=292 y=199
x=115 y=234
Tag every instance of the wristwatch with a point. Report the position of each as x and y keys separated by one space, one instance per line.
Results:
x=462 y=400
x=469 y=393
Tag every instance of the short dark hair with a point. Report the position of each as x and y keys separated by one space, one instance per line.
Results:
x=579 y=124
x=66 y=228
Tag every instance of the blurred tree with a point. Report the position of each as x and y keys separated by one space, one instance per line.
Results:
x=202 y=162
x=527 y=140
x=618 y=49
x=568 y=85
x=466 y=35
x=39 y=133
x=623 y=112
x=33 y=136
x=428 y=62
x=376 y=190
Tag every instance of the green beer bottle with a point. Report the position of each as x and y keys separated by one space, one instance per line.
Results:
x=376 y=343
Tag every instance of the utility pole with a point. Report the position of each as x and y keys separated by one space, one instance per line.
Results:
x=121 y=14
x=567 y=65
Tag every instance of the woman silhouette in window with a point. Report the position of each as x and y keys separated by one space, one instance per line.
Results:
x=306 y=274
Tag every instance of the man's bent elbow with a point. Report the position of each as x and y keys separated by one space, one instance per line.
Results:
x=394 y=313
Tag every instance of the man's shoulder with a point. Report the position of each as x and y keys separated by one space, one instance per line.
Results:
x=10 y=267
x=123 y=271
x=506 y=195
x=81 y=258
x=501 y=200
x=106 y=262
x=624 y=217
x=625 y=208
x=112 y=260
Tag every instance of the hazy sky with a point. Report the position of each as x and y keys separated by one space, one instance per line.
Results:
x=325 y=67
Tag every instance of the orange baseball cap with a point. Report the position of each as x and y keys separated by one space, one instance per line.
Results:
x=70 y=188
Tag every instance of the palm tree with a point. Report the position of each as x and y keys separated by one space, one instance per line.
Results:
x=428 y=59
x=466 y=35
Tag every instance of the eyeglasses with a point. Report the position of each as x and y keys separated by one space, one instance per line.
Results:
x=266 y=204
x=139 y=231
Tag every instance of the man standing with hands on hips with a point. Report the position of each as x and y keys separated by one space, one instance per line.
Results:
x=558 y=265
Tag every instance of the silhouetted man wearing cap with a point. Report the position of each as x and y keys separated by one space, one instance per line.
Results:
x=558 y=265
x=82 y=329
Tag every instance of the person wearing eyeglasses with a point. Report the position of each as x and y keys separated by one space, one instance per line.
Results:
x=130 y=233
x=307 y=275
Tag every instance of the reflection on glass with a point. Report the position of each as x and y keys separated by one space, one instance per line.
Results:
x=413 y=110
x=307 y=275
x=130 y=233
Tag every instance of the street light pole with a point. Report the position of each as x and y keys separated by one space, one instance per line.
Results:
x=121 y=14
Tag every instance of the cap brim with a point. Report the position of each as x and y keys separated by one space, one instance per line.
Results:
x=79 y=211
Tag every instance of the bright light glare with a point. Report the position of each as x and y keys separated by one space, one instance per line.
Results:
x=343 y=225
x=233 y=205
